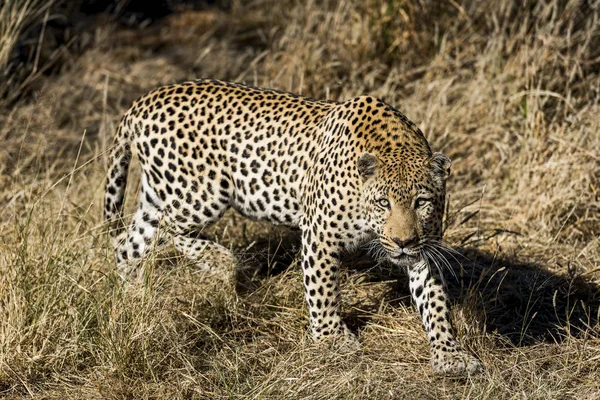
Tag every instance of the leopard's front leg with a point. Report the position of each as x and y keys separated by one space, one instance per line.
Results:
x=320 y=267
x=429 y=294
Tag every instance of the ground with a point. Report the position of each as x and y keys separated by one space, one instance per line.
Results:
x=512 y=95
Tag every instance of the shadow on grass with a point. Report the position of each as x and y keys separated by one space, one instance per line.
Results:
x=525 y=301
x=522 y=301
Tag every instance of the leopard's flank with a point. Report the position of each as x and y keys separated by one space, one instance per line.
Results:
x=345 y=173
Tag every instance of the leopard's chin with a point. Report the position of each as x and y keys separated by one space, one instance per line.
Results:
x=405 y=260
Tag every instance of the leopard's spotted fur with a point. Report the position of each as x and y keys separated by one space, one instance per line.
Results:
x=344 y=173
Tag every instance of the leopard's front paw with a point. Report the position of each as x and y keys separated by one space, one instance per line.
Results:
x=129 y=271
x=341 y=339
x=347 y=341
x=455 y=362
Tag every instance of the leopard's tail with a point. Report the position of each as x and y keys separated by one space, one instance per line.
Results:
x=116 y=180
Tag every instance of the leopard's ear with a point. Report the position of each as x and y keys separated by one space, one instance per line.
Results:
x=367 y=165
x=440 y=164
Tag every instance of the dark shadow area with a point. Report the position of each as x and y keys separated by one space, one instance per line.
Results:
x=52 y=38
x=525 y=301
x=522 y=301
x=267 y=257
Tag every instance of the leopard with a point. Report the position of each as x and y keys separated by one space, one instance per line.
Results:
x=346 y=174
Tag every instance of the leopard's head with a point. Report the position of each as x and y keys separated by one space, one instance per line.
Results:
x=402 y=199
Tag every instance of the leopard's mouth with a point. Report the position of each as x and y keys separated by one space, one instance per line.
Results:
x=405 y=259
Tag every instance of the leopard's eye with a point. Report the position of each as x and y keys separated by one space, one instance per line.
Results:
x=383 y=203
x=421 y=202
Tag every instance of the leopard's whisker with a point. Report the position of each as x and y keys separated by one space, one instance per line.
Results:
x=442 y=259
x=432 y=258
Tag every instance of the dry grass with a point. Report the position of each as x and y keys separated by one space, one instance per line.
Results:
x=16 y=17
x=510 y=90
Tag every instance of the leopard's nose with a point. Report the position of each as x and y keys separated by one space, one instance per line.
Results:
x=404 y=243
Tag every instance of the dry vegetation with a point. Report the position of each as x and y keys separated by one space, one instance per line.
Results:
x=509 y=89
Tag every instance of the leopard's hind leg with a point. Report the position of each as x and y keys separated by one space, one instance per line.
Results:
x=142 y=233
x=187 y=216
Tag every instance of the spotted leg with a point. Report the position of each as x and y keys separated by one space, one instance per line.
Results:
x=320 y=266
x=431 y=299
x=142 y=232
